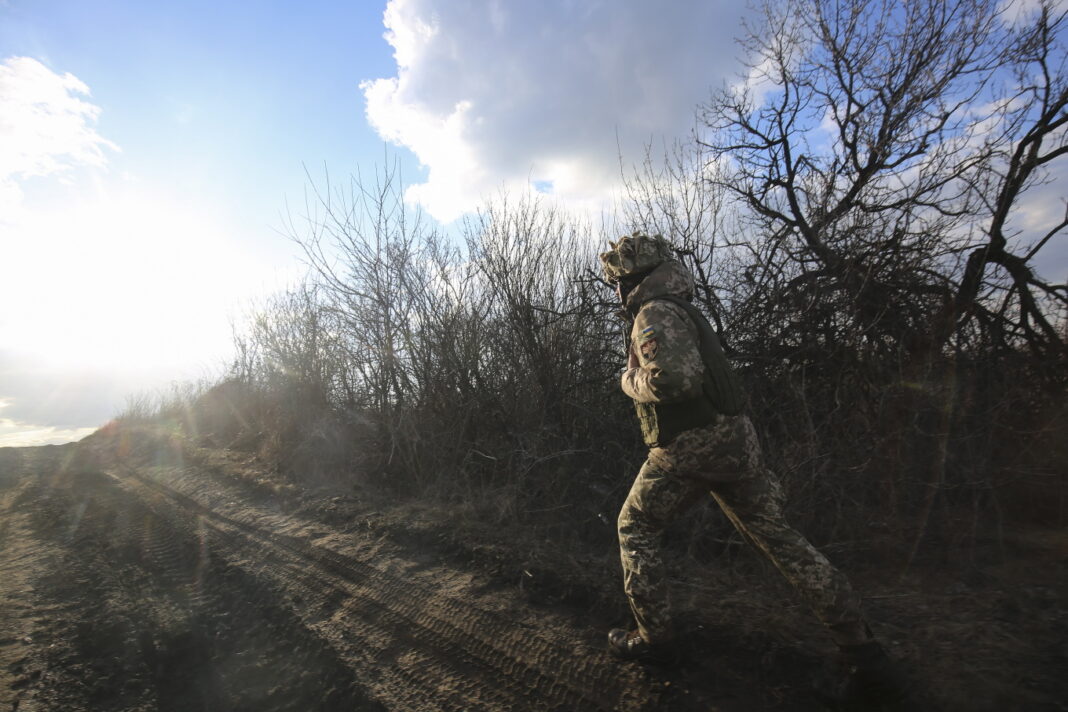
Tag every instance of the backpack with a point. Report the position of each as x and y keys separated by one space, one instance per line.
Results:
x=720 y=384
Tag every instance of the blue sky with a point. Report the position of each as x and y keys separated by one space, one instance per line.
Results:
x=218 y=102
x=151 y=148
x=205 y=114
x=147 y=151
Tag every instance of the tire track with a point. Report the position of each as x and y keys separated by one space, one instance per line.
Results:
x=418 y=649
x=146 y=620
x=22 y=619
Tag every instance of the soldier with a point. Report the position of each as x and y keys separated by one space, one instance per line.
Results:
x=689 y=406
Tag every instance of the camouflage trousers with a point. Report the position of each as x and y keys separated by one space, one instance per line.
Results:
x=725 y=459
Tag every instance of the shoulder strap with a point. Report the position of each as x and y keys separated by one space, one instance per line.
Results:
x=721 y=384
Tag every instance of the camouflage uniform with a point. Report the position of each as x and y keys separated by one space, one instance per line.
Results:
x=721 y=456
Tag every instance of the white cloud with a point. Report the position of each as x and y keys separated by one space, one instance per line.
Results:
x=45 y=128
x=1016 y=11
x=491 y=94
x=17 y=434
x=13 y=434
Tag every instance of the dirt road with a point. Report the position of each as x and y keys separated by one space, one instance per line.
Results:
x=139 y=571
x=165 y=586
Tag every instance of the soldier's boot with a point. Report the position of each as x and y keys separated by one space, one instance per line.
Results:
x=630 y=645
x=870 y=681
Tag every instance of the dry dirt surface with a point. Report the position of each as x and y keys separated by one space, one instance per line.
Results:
x=137 y=573
x=166 y=587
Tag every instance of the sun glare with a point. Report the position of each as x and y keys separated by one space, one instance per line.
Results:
x=127 y=281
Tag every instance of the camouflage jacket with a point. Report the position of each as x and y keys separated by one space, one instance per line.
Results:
x=664 y=338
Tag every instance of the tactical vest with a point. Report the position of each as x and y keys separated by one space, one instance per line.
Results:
x=721 y=388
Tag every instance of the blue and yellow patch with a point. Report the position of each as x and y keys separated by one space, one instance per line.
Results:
x=647 y=342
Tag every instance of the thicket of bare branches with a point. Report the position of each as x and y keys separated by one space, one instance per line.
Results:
x=853 y=213
x=481 y=368
x=883 y=160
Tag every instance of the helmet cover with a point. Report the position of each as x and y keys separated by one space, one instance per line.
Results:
x=634 y=255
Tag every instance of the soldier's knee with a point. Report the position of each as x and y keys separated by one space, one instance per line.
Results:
x=632 y=521
x=625 y=519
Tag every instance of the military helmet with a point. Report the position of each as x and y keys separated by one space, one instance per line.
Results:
x=634 y=255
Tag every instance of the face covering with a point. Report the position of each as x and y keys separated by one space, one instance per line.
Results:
x=624 y=287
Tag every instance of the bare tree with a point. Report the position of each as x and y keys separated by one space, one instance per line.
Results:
x=876 y=144
x=680 y=194
x=1030 y=119
x=361 y=241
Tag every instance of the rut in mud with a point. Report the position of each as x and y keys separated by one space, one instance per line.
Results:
x=161 y=589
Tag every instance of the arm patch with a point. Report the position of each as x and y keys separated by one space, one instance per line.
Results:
x=648 y=348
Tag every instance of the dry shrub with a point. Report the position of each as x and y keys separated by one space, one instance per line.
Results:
x=905 y=362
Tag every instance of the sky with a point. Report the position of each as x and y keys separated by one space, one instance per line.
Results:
x=149 y=153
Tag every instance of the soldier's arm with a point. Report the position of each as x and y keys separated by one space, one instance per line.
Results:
x=670 y=367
